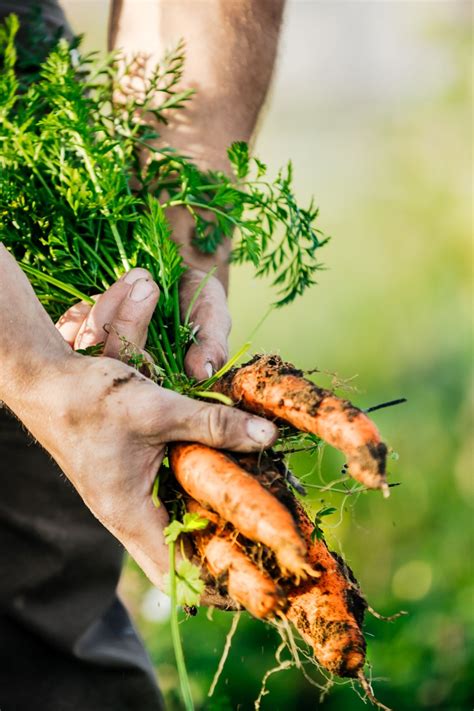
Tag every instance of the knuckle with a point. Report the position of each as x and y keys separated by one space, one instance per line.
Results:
x=124 y=319
x=218 y=422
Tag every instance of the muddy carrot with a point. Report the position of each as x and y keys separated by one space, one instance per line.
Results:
x=327 y=611
x=217 y=481
x=248 y=585
x=268 y=386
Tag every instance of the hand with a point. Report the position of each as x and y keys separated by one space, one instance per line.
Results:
x=107 y=425
x=119 y=317
x=122 y=314
x=210 y=319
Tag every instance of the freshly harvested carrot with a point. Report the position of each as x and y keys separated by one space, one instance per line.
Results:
x=246 y=584
x=269 y=386
x=218 y=482
x=328 y=611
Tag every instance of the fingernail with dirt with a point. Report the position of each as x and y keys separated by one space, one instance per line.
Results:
x=209 y=370
x=141 y=290
x=132 y=276
x=261 y=432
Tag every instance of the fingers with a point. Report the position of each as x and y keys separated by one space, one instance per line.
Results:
x=210 y=317
x=132 y=318
x=207 y=356
x=123 y=311
x=92 y=330
x=172 y=417
x=72 y=320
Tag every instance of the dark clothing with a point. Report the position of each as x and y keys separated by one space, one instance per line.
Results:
x=66 y=641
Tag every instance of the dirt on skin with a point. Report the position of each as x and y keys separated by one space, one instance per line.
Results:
x=268 y=386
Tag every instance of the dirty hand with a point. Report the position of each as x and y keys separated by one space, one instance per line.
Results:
x=211 y=324
x=122 y=314
x=107 y=425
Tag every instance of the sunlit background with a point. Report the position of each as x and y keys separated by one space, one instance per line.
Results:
x=371 y=101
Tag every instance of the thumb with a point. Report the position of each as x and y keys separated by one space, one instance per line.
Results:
x=132 y=318
x=175 y=417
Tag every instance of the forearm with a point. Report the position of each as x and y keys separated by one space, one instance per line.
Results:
x=230 y=53
x=31 y=349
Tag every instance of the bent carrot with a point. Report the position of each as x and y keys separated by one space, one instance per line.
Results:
x=328 y=611
x=246 y=584
x=269 y=386
x=217 y=481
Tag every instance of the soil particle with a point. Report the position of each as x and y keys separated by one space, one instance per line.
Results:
x=378 y=451
x=350 y=410
x=117 y=382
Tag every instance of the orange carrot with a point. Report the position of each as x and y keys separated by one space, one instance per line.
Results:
x=268 y=386
x=246 y=584
x=218 y=482
x=328 y=611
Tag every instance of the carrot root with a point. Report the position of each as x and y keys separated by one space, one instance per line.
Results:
x=327 y=611
x=270 y=387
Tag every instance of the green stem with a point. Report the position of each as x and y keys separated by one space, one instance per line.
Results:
x=167 y=345
x=105 y=210
x=119 y=243
x=113 y=265
x=97 y=257
x=154 y=339
x=177 y=645
x=31 y=271
x=197 y=293
x=177 y=327
x=176 y=202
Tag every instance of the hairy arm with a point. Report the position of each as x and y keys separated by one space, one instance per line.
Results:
x=230 y=53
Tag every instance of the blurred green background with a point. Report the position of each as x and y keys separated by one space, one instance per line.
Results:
x=372 y=101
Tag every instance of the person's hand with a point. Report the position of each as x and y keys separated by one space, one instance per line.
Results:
x=107 y=428
x=120 y=316
x=107 y=425
x=211 y=323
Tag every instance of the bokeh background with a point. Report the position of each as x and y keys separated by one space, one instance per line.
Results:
x=372 y=102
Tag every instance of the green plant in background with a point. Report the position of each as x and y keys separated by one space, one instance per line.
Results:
x=68 y=212
x=79 y=207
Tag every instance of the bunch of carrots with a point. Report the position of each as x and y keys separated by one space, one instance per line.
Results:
x=259 y=545
x=75 y=222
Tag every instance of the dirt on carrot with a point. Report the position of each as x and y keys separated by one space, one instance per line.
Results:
x=227 y=560
x=327 y=611
x=220 y=484
x=268 y=386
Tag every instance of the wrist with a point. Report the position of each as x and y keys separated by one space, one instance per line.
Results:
x=183 y=231
x=31 y=385
x=31 y=348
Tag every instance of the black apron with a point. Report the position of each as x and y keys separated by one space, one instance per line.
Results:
x=66 y=640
